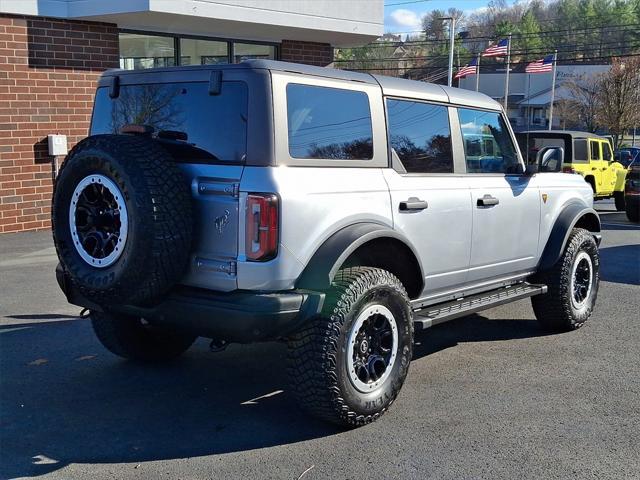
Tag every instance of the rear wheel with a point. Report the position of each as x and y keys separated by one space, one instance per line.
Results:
x=619 y=201
x=573 y=285
x=349 y=364
x=135 y=339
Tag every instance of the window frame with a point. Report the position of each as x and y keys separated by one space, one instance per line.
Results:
x=599 y=146
x=509 y=129
x=177 y=36
x=403 y=171
x=280 y=80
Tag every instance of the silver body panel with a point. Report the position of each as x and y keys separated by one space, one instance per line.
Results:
x=462 y=248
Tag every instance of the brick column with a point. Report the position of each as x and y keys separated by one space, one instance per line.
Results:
x=48 y=72
x=311 y=53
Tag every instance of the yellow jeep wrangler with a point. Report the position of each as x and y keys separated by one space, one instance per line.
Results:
x=585 y=153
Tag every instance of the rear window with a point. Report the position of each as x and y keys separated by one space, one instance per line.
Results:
x=329 y=123
x=215 y=125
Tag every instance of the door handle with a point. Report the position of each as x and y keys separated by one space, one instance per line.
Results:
x=594 y=168
x=488 y=201
x=413 y=203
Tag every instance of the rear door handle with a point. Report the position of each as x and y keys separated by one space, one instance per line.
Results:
x=413 y=203
x=488 y=201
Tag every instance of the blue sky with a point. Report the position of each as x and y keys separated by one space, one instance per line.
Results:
x=405 y=17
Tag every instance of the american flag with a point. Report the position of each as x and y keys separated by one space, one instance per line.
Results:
x=497 y=50
x=470 y=69
x=541 y=66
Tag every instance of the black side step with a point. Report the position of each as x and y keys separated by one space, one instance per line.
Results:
x=435 y=314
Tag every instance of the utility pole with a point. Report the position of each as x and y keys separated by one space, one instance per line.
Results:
x=478 y=72
x=506 y=82
x=452 y=44
x=553 y=89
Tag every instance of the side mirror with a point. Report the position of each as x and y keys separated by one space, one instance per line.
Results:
x=550 y=159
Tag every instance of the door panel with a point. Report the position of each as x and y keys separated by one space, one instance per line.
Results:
x=441 y=232
x=505 y=229
x=595 y=164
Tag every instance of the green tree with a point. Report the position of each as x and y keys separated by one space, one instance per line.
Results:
x=529 y=39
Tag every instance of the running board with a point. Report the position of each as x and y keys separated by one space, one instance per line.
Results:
x=435 y=314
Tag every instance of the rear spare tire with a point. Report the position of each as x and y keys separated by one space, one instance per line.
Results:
x=122 y=220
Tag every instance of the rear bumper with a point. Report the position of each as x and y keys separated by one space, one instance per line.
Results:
x=239 y=316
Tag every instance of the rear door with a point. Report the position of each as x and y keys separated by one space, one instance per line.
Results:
x=206 y=134
x=430 y=203
x=505 y=203
x=595 y=164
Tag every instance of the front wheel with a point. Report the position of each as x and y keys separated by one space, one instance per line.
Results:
x=348 y=365
x=572 y=285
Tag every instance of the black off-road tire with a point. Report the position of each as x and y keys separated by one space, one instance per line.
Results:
x=633 y=212
x=133 y=339
x=618 y=198
x=555 y=310
x=158 y=201
x=318 y=354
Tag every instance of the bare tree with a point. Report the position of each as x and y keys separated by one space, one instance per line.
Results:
x=619 y=96
x=584 y=92
x=567 y=111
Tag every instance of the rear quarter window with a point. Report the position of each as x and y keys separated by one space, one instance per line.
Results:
x=328 y=123
x=215 y=125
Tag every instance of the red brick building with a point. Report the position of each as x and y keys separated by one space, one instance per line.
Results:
x=51 y=56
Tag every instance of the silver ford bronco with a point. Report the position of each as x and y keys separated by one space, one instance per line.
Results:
x=338 y=212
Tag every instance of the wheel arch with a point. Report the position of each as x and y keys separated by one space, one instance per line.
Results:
x=361 y=244
x=572 y=216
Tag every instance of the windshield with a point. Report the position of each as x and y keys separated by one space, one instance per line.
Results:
x=197 y=125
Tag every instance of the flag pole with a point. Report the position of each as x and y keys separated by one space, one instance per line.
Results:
x=478 y=73
x=506 y=82
x=553 y=88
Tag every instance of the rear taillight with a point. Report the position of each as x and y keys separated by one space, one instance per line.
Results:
x=261 y=234
x=568 y=170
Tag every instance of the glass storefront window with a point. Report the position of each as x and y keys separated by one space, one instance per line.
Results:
x=203 y=52
x=146 y=51
x=142 y=50
x=246 y=51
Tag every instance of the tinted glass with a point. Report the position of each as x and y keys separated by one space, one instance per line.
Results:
x=580 y=151
x=606 y=152
x=328 y=123
x=595 y=150
x=487 y=143
x=420 y=135
x=146 y=51
x=246 y=51
x=215 y=125
x=203 y=52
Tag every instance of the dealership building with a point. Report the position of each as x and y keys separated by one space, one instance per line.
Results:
x=53 y=51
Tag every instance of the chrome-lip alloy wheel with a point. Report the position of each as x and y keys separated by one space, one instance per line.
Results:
x=98 y=220
x=373 y=347
x=581 y=279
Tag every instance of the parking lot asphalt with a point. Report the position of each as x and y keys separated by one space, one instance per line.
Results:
x=488 y=396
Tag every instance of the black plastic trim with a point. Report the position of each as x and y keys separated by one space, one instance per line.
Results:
x=561 y=231
x=331 y=255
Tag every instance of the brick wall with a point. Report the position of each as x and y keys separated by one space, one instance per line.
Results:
x=311 y=53
x=48 y=69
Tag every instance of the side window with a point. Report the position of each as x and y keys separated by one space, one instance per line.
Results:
x=420 y=135
x=595 y=150
x=488 y=146
x=330 y=123
x=606 y=152
x=580 y=151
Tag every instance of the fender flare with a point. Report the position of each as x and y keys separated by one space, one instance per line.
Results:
x=568 y=218
x=327 y=259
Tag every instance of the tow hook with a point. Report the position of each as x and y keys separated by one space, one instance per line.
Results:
x=218 y=345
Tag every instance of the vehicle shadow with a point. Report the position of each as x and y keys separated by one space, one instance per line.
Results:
x=620 y=264
x=65 y=400
x=474 y=328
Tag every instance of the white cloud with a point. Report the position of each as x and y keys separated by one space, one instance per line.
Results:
x=403 y=19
